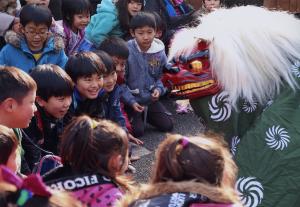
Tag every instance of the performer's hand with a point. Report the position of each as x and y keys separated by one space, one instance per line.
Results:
x=137 y=107
x=155 y=95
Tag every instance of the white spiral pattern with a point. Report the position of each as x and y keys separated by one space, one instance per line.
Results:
x=249 y=107
x=277 y=138
x=219 y=107
x=296 y=69
x=234 y=142
x=250 y=191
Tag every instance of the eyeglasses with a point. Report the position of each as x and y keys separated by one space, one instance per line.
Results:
x=39 y=33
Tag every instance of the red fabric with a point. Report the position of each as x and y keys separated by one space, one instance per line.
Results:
x=127 y=122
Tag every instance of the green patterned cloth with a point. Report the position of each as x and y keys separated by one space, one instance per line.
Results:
x=265 y=142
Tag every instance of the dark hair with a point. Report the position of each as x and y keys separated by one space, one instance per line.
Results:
x=108 y=62
x=123 y=14
x=71 y=7
x=15 y=83
x=83 y=65
x=8 y=143
x=142 y=19
x=9 y=194
x=160 y=24
x=175 y=160
x=36 y=14
x=115 y=46
x=51 y=81
x=87 y=145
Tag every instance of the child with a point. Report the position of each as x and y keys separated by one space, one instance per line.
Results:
x=104 y=23
x=30 y=192
x=112 y=19
x=36 y=46
x=17 y=97
x=112 y=105
x=190 y=171
x=161 y=27
x=146 y=60
x=128 y=9
x=76 y=16
x=44 y=3
x=54 y=96
x=9 y=149
x=86 y=70
x=95 y=155
x=209 y=6
x=118 y=50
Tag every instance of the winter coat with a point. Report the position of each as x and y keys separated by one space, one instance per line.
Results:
x=144 y=71
x=74 y=43
x=91 y=189
x=17 y=53
x=42 y=127
x=112 y=107
x=91 y=107
x=104 y=24
x=183 y=194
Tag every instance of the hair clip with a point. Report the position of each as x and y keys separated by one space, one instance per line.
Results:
x=24 y=196
x=184 y=142
x=94 y=124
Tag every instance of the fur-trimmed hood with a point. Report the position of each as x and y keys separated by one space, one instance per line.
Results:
x=15 y=39
x=147 y=191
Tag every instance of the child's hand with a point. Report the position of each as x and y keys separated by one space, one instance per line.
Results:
x=135 y=140
x=155 y=95
x=137 y=107
x=40 y=142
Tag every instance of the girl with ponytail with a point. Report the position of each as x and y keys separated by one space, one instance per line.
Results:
x=193 y=171
x=94 y=156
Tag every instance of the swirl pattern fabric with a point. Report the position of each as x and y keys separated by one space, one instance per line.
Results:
x=265 y=142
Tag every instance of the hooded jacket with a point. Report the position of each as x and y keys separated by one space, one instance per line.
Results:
x=144 y=72
x=104 y=24
x=179 y=194
x=17 y=53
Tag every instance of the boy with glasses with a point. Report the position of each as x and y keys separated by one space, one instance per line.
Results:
x=36 y=46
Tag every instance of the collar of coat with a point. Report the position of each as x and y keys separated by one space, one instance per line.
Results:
x=15 y=39
x=146 y=191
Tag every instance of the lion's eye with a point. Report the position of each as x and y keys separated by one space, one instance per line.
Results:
x=196 y=66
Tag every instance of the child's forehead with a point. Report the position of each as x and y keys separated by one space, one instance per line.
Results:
x=118 y=59
x=144 y=28
x=34 y=25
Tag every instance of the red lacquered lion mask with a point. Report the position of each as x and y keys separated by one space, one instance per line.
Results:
x=191 y=77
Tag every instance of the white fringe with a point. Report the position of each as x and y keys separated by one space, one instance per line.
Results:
x=252 y=49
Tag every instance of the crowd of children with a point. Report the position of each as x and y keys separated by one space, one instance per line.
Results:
x=82 y=88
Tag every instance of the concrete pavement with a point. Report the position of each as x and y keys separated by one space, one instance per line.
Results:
x=186 y=124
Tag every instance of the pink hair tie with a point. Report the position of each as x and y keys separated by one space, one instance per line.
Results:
x=184 y=142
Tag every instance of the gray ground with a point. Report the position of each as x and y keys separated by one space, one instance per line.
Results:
x=186 y=124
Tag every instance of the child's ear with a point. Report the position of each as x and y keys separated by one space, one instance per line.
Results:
x=40 y=101
x=132 y=32
x=9 y=104
x=115 y=163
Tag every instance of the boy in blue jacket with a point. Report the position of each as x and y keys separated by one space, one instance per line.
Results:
x=36 y=46
x=145 y=62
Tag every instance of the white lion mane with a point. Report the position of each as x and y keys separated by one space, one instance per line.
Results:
x=251 y=49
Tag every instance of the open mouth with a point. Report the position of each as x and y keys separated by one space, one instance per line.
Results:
x=190 y=88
